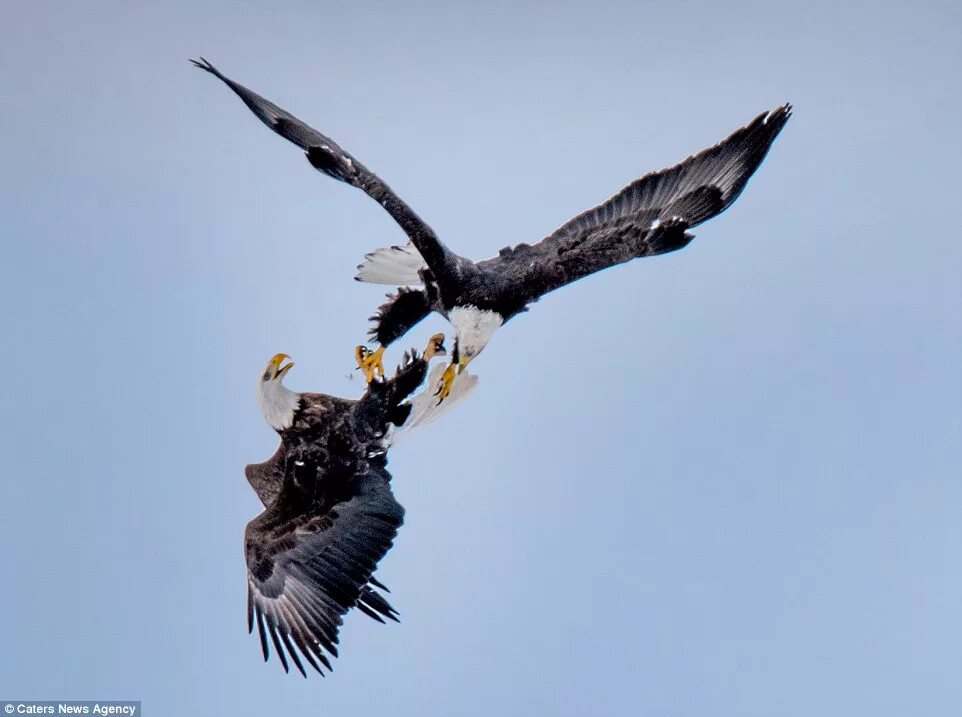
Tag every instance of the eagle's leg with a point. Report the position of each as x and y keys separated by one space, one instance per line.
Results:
x=447 y=381
x=370 y=362
x=447 y=378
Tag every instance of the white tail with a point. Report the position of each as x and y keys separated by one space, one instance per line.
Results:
x=394 y=265
x=424 y=406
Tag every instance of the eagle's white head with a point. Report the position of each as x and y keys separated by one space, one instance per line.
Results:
x=277 y=402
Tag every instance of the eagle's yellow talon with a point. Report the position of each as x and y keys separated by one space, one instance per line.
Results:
x=447 y=381
x=370 y=362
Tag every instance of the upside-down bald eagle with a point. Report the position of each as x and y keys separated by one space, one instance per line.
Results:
x=329 y=513
x=650 y=216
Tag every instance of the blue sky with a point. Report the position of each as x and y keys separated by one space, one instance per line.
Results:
x=724 y=481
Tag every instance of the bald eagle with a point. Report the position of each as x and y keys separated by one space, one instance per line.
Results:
x=651 y=215
x=329 y=513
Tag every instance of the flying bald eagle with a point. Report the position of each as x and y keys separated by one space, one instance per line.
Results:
x=329 y=513
x=649 y=216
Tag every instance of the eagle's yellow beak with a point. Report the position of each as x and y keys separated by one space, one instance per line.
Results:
x=275 y=364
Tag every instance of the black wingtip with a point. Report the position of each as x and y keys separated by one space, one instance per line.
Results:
x=203 y=64
x=262 y=634
x=392 y=614
x=374 y=600
x=293 y=653
x=378 y=584
x=369 y=612
x=778 y=116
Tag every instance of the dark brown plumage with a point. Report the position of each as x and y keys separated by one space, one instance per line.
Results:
x=329 y=517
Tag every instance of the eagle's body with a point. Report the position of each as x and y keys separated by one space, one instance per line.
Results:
x=649 y=216
x=329 y=513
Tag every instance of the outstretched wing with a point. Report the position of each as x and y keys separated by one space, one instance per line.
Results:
x=647 y=217
x=325 y=155
x=309 y=561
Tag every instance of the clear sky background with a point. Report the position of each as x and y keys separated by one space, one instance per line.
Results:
x=720 y=482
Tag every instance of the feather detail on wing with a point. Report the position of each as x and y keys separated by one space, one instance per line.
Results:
x=683 y=190
x=374 y=605
x=308 y=567
x=327 y=156
x=393 y=265
x=647 y=217
x=396 y=316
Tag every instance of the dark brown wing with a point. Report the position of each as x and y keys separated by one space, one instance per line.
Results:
x=309 y=562
x=267 y=478
x=399 y=314
x=647 y=217
x=325 y=155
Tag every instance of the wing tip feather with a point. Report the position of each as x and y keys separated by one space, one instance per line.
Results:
x=204 y=64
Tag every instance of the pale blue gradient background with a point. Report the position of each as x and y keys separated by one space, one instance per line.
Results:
x=721 y=482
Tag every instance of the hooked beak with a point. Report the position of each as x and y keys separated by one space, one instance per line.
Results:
x=276 y=368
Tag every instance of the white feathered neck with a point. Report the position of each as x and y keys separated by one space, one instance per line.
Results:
x=278 y=403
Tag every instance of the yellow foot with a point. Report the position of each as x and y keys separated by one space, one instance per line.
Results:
x=435 y=347
x=369 y=361
x=447 y=378
x=447 y=381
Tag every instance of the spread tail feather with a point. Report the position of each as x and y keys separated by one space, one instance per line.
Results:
x=425 y=408
x=393 y=265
